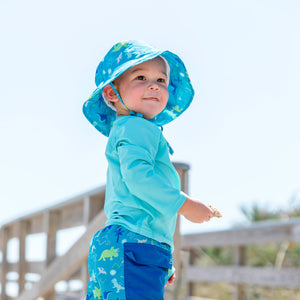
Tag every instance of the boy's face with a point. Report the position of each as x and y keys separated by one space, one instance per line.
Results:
x=144 y=88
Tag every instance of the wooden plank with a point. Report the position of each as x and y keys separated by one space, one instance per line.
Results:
x=71 y=216
x=67 y=203
x=62 y=267
x=269 y=277
x=199 y=298
x=12 y=231
x=36 y=267
x=267 y=233
x=36 y=223
x=92 y=206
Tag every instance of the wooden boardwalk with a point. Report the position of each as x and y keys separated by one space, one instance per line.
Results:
x=87 y=210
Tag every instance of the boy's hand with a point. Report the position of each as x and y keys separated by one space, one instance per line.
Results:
x=196 y=211
x=171 y=279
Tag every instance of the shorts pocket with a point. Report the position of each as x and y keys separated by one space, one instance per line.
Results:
x=146 y=268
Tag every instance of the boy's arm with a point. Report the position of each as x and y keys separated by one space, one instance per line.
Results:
x=195 y=211
x=137 y=146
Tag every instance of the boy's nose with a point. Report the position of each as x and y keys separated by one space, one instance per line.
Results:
x=153 y=86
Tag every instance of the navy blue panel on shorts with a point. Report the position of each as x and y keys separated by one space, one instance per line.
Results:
x=145 y=270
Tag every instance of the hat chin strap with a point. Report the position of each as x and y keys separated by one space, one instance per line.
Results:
x=131 y=112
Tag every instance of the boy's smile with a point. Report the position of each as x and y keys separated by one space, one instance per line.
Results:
x=143 y=89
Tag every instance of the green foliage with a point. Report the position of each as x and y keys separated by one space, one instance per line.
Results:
x=292 y=256
x=218 y=255
x=261 y=255
x=256 y=213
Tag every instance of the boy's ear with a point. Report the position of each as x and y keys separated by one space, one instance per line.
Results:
x=110 y=93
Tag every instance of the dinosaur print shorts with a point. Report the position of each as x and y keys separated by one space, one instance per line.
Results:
x=124 y=265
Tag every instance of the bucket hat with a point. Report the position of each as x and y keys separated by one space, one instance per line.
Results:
x=120 y=58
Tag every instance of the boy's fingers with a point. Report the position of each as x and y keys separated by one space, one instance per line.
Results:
x=171 y=279
x=216 y=213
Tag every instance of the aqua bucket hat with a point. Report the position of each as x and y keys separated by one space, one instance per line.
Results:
x=120 y=58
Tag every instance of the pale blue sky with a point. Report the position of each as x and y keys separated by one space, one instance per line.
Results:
x=241 y=134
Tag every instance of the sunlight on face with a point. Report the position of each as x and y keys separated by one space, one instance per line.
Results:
x=144 y=88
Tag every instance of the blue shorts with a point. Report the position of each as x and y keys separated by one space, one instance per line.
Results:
x=124 y=265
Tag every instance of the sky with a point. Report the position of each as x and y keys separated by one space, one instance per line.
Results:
x=240 y=135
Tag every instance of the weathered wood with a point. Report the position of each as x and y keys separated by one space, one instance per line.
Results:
x=239 y=260
x=22 y=231
x=71 y=216
x=62 y=267
x=86 y=211
x=36 y=223
x=191 y=285
x=51 y=225
x=172 y=292
x=36 y=218
x=36 y=267
x=267 y=232
x=263 y=276
x=92 y=206
x=84 y=274
x=4 y=264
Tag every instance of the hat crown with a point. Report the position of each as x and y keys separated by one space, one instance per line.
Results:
x=118 y=56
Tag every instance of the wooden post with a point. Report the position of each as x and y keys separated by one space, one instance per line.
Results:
x=86 y=211
x=182 y=170
x=239 y=260
x=22 y=231
x=88 y=215
x=4 y=264
x=191 y=285
x=92 y=206
x=51 y=225
x=84 y=274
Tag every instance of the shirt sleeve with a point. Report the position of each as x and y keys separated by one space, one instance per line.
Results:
x=137 y=147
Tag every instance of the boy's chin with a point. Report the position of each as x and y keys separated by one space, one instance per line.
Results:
x=149 y=116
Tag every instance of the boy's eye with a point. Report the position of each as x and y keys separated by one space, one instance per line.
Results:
x=163 y=80
x=141 y=77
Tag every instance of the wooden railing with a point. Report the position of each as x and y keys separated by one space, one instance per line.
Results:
x=239 y=274
x=87 y=210
x=84 y=210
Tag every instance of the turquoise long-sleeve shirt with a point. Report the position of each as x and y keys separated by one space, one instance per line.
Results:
x=143 y=188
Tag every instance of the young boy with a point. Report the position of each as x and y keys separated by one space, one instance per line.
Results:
x=139 y=90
